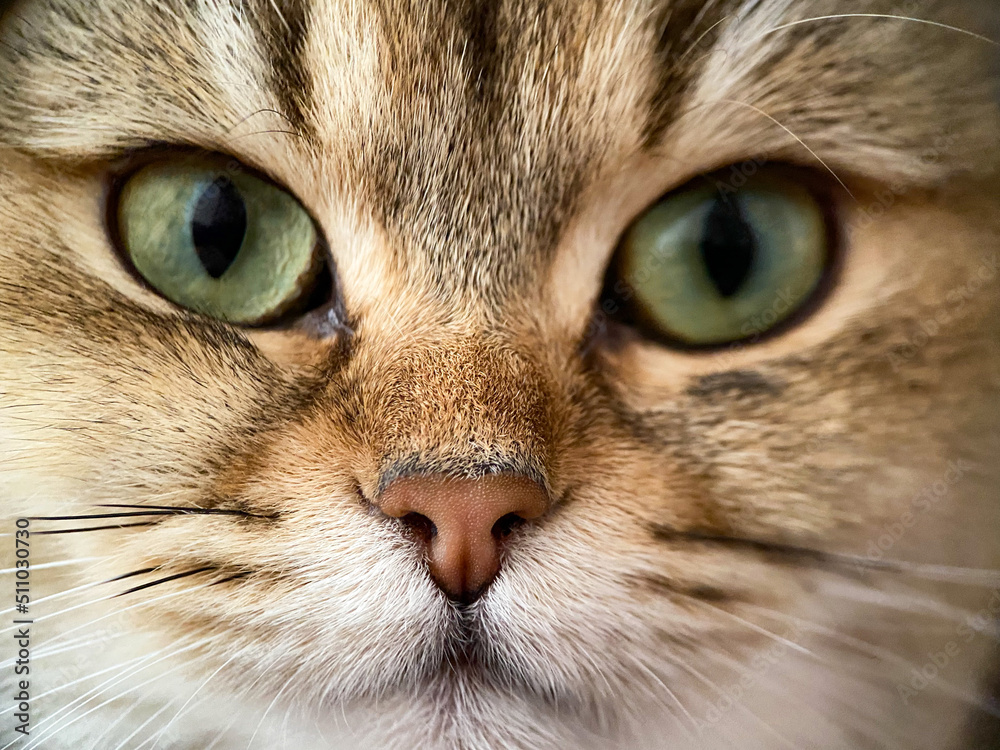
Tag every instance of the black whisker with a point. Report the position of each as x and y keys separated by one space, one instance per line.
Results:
x=97 y=528
x=165 y=580
x=266 y=132
x=261 y=111
x=91 y=516
x=132 y=574
x=191 y=510
x=244 y=574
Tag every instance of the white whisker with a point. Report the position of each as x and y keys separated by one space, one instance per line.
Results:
x=884 y=655
x=887 y=16
x=124 y=743
x=49 y=565
x=756 y=628
x=205 y=682
x=51 y=597
x=143 y=603
x=670 y=694
x=122 y=716
x=804 y=145
x=90 y=676
x=122 y=670
x=73 y=719
x=271 y=705
x=745 y=709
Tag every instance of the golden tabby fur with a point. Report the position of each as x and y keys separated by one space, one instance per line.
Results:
x=756 y=547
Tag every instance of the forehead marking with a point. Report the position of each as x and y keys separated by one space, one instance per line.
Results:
x=282 y=28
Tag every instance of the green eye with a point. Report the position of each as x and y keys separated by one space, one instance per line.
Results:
x=224 y=244
x=708 y=266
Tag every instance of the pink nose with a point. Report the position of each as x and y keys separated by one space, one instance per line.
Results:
x=463 y=522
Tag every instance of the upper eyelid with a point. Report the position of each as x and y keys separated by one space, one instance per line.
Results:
x=122 y=168
x=134 y=159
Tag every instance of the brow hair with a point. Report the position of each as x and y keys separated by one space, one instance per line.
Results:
x=282 y=30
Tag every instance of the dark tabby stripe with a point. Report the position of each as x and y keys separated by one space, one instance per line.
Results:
x=480 y=20
x=282 y=29
x=686 y=32
x=736 y=383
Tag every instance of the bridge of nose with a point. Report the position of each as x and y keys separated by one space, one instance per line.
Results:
x=457 y=429
x=460 y=399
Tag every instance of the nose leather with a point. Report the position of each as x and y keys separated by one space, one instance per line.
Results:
x=468 y=519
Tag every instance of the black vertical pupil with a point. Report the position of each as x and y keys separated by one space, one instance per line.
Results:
x=728 y=246
x=219 y=226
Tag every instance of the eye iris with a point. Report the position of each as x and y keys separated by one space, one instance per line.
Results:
x=705 y=267
x=728 y=246
x=219 y=226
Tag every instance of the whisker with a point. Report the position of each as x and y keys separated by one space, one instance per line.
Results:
x=673 y=697
x=244 y=574
x=49 y=652
x=120 y=667
x=697 y=42
x=222 y=734
x=261 y=111
x=887 y=16
x=73 y=720
x=834 y=560
x=274 y=700
x=266 y=132
x=122 y=716
x=911 y=602
x=789 y=694
x=52 y=597
x=165 y=579
x=247 y=690
x=881 y=654
x=57 y=564
x=124 y=743
x=96 y=528
x=136 y=511
x=93 y=602
x=92 y=516
x=755 y=627
x=192 y=510
x=745 y=709
x=241 y=652
x=122 y=671
x=804 y=145
x=134 y=573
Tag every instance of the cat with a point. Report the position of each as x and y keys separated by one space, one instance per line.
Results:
x=502 y=374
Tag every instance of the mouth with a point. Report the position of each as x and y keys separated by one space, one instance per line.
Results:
x=467 y=649
x=475 y=661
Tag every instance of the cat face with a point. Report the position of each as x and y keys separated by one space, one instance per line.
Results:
x=756 y=520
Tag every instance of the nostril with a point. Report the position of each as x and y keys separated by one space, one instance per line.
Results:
x=420 y=525
x=506 y=525
x=463 y=523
